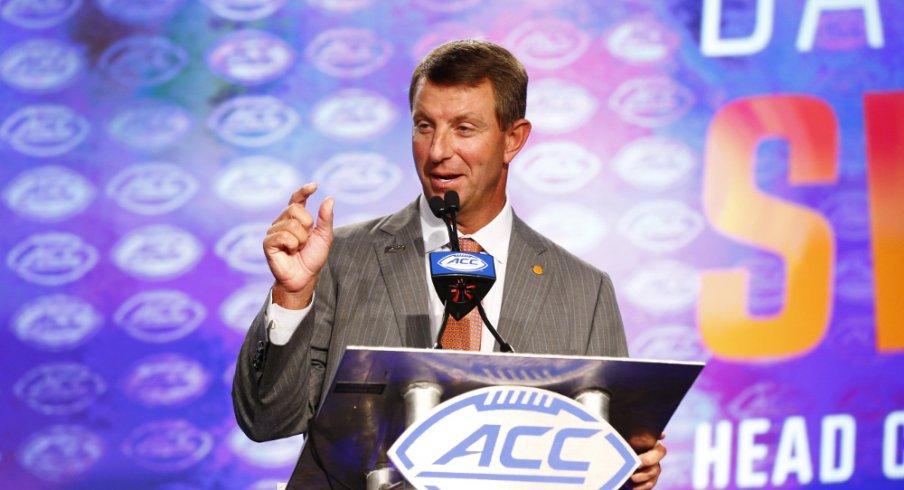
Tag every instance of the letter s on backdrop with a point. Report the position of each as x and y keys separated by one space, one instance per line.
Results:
x=801 y=237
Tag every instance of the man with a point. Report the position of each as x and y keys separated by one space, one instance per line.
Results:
x=468 y=101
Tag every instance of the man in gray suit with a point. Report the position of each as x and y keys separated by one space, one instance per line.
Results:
x=367 y=284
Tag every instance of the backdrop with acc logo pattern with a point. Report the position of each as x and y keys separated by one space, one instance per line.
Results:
x=145 y=146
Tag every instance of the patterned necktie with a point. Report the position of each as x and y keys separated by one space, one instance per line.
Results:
x=464 y=334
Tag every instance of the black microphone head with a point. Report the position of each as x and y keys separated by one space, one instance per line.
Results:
x=438 y=206
x=452 y=202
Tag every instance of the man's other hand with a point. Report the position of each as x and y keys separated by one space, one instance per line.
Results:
x=648 y=473
x=296 y=249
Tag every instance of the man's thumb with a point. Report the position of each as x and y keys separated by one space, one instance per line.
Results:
x=325 y=217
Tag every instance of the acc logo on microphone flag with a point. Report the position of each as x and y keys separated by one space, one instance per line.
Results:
x=455 y=263
x=462 y=262
x=512 y=437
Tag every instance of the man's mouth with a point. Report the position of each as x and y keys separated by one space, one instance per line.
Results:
x=443 y=179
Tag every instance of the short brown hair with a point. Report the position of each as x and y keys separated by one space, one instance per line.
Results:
x=470 y=62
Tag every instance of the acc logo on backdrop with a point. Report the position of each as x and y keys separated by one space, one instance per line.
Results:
x=651 y=102
x=674 y=342
x=341 y=5
x=52 y=259
x=576 y=227
x=150 y=126
x=354 y=115
x=244 y=10
x=548 y=44
x=38 y=14
x=241 y=306
x=766 y=283
x=165 y=380
x=849 y=214
x=558 y=106
x=143 y=61
x=159 y=316
x=257 y=182
x=767 y=399
x=152 y=188
x=545 y=438
x=557 y=167
x=157 y=252
x=348 y=53
x=250 y=57
x=661 y=226
x=271 y=454
x=49 y=193
x=663 y=286
x=240 y=247
x=56 y=322
x=61 y=452
x=253 y=121
x=358 y=178
x=642 y=41
x=44 y=130
x=443 y=32
x=854 y=276
x=842 y=31
x=59 y=388
x=40 y=65
x=140 y=11
x=853 y=340
x=167 y=446
x=654 y=163
x=446 y=6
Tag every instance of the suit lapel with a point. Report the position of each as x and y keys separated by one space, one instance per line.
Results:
x=525 y=290
x=400 y=253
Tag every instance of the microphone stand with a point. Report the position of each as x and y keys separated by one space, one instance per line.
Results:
x=448 y=215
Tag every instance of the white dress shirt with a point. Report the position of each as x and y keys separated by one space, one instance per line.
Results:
x=493 y=238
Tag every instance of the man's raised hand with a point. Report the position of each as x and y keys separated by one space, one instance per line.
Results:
x=296 y=249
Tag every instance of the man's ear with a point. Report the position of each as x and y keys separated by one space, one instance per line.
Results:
x=515 y=137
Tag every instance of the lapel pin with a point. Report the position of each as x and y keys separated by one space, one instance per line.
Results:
x=538 y=270
x=394 y=248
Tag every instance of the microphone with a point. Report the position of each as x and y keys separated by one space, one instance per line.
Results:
x=438 y=206
x=446 y=210
x=461 y=279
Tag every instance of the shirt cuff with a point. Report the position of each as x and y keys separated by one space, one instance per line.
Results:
x=283 y=322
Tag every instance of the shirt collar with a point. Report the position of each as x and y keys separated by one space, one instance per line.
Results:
x=493 y=237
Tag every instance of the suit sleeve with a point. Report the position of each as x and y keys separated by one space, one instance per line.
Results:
x=607 y=332
x=276 y=388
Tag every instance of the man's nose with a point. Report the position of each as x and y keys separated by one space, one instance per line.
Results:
x=440 y=146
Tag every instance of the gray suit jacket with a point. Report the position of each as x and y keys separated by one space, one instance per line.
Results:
x=373 y=291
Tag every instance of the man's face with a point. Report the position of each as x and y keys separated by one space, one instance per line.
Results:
x=458 y=145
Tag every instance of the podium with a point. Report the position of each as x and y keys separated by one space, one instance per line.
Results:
x=378 y=392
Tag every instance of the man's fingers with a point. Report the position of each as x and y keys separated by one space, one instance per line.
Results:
x=289 y=235
x=301 y=195
x=281 y=240
x=297 y=212
x=653 y=456
x=646 y=473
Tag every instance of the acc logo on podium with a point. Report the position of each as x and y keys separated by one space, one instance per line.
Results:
x=512 y=437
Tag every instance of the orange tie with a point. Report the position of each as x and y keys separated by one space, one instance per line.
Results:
x=464 y=334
